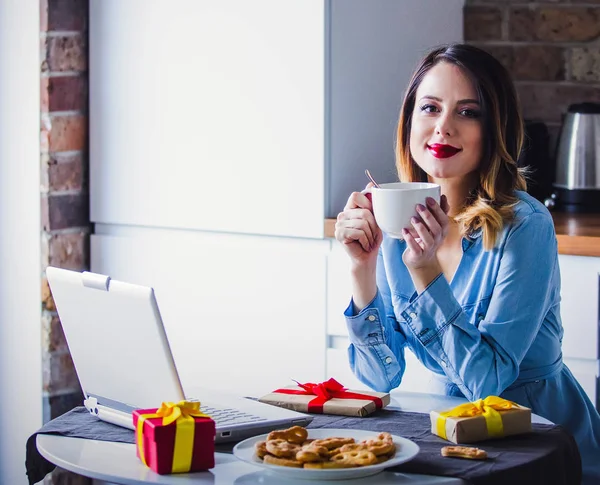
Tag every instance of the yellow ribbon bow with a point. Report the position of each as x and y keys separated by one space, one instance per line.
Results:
x=488 y=408
x=183 y=414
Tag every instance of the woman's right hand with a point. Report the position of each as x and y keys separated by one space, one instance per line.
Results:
x=357 y=230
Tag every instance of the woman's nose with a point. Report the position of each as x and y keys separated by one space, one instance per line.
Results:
x=444 y=126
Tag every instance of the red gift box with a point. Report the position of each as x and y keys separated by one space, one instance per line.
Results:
x=175 y=438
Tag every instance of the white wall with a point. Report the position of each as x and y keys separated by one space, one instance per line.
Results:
x=20 y=334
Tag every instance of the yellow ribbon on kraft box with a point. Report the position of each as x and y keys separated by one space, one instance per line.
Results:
x=489 y=418
x=175 y=438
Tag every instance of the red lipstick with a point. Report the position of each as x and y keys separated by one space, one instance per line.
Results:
x=439 y=150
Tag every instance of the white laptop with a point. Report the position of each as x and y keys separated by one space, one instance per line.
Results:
x=123 y=360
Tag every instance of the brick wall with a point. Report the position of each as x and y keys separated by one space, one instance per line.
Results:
x=551 y=47
x=65 y=225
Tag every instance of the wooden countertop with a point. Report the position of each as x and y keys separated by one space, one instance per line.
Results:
x=577 y=234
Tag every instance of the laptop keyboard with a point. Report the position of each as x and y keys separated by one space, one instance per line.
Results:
x=229 y=416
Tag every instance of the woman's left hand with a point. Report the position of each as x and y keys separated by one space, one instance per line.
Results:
x=426 y=235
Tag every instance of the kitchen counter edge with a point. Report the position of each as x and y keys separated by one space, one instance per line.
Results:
x=577 y=234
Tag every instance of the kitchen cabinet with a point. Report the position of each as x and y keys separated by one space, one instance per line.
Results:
x=579 y=305
x=208 y=115
x=580 y=313
x=241 y=313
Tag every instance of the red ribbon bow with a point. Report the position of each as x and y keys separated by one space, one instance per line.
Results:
x=325 y=391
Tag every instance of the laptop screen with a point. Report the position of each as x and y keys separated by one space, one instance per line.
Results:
x=116 y=339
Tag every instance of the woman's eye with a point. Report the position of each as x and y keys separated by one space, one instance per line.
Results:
x=470 y=113
x=429 y=108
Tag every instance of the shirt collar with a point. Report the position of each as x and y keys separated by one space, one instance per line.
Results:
x=469 y=240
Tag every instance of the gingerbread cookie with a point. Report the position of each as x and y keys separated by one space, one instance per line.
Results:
x=464 y=452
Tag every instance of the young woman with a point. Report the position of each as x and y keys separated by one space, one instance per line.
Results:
x=473 y=289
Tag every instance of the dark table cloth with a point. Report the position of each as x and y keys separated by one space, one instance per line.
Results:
x=548 y=455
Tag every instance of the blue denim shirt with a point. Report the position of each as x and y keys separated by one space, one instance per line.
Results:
x=495 y=329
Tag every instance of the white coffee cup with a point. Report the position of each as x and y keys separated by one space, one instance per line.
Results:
x=395 y=203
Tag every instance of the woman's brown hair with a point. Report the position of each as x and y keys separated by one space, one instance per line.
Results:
x=491 y=203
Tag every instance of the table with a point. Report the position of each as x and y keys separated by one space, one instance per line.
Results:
x=117 y=462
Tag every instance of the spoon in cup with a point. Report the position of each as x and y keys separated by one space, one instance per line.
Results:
x=370 y=177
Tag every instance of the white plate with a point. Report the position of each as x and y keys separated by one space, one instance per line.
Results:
x=405 y=450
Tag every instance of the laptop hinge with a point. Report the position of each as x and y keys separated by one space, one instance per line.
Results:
x=93 y=280
x=95 y=400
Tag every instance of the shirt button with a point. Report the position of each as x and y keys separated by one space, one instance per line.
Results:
x=388 y=360
x=412 y=315
x=444 y=364
x=371 y=318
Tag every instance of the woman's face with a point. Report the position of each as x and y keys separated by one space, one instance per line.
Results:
x=446 y=132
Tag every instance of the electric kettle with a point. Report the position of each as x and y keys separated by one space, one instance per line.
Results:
x=577 y=182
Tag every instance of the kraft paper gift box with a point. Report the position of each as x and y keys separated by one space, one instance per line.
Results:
x=175 y=438
x=328 y=397
x=488 y=418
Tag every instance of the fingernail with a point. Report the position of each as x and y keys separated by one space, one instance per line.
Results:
x=414 y=220
x=404 y=231
x=421 y=207
x=430 y=201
